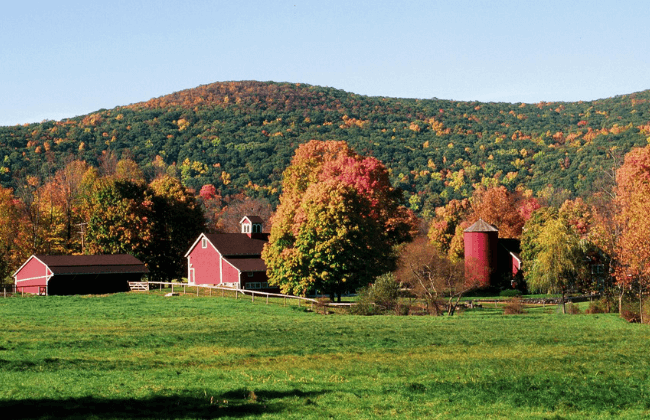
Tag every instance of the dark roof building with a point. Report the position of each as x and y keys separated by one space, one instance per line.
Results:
x=78 y=274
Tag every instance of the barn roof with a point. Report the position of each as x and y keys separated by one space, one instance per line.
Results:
x=93 y=264
x=511 y=245
x=237 y=244
x=481 y=226
x=248 y=264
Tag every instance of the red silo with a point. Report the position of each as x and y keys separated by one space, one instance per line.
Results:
x=481 y=240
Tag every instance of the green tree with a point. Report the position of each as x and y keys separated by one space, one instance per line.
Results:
x=120 y=218
x=337 y=222
x=559 y=259
x=178 y=221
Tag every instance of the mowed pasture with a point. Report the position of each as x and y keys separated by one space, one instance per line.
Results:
x=146 y=356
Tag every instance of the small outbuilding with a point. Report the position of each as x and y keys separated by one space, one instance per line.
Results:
x=78 y=274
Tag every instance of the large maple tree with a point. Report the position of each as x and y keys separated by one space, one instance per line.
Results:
x=337 y=223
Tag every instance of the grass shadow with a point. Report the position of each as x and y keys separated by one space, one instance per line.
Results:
x=236 y=403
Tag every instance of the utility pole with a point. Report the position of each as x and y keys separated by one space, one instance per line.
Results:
x=82 y=231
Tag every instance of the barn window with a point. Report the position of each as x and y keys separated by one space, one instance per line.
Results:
x=250 y=274
x=597 y=269
x=204 y=243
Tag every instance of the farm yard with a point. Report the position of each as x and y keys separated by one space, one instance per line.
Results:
x=146 y=356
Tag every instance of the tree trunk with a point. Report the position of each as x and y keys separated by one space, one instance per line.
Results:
x=640 y=303
x=620 y=301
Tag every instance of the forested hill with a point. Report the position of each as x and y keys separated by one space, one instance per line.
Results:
x=240 y=136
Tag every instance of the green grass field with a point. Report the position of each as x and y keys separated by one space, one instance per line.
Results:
x=145 y=356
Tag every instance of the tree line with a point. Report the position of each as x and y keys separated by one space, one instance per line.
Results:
x=240 y=136
x=593 y=244
x=114 y=208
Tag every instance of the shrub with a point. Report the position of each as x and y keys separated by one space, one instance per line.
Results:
x=510 y=293
x=631 y=312
x=603 y=305
x=385 y=292
x=380 y=297
x=364 y=305
x=402 y=309
x=321 y=305
x=573 y=309
x=630 y=315
x=514 y=307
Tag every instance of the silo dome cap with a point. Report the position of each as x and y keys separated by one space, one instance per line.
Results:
x=482 y=226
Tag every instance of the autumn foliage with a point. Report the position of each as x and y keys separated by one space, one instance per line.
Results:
x=633 y=203
x=506 y=210
x=433 y=277
x=337 y=221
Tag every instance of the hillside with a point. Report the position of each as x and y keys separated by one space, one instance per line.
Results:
x=241 y=135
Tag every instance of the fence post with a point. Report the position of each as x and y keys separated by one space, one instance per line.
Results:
x=172 y=288
x=197 y=291
x=267 y=299
x=285 y=301
x=252 y=296
x=223 y=292
x=183 y=289
x=236 y=294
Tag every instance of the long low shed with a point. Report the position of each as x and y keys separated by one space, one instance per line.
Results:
x=78 y=274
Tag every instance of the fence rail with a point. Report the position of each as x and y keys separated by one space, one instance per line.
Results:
x=12 y=289
x=237 y=292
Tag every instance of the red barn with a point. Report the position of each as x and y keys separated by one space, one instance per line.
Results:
x=488 y=258
x=230 y=259
x=78 y=274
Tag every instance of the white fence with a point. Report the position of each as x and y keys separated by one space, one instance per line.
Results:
x=243 y=292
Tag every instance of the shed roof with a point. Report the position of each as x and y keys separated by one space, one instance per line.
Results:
x=482 y=226
x=93 y=264
x=237 y=244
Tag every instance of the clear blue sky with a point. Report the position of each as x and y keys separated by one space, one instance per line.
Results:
x=67 y=58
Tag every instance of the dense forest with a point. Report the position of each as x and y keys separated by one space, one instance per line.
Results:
x=240 y=136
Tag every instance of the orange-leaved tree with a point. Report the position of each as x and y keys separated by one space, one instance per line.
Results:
x=633 y=205
x=507 y=210
x=14 y=243
x=432 y=276
x=337 y=223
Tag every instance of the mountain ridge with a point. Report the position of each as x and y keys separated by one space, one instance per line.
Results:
x=240 y=136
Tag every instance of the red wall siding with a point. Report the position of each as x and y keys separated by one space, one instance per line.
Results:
x=230 y=273
x=515 y=266
x=481 y=255
x=206 y=264
x=36 y=272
